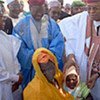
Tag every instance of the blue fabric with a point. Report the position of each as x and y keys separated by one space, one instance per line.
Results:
x=54 y=43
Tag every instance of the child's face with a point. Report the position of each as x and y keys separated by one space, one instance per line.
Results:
x=71 y=81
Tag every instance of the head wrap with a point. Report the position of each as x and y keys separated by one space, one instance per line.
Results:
x=1 y=1
x=9 y=1
x=54 y=4
x=91 y=1
x=70 y=71
x=78 y=3
x=44 y=57
x=36 y=2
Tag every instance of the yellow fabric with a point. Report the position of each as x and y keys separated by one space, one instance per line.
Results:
x=44 y=57
x=39 y=88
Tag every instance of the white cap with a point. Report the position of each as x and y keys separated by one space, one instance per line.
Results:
x=54 y=3
x=9 y=1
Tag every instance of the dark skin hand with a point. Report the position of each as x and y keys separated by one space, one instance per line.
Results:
x=72 y=62
x=92 y=80
x=94 y=76
x=16 y=85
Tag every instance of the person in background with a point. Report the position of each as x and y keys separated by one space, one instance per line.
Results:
x=37 y=30
x=14 y=8
x=10 y=76
x=7 y=22
x=47 y=82
x=63 y=14
x=79 y=30
x=54 y=10
x=23 y=13
x=77 y=7
x=46 y=7
x=67 y=9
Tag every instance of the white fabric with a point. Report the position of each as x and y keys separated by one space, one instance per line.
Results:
x=36 y=36
x=96 y=24
x=9 y=66
x=15 y=20
x=74 y=32
x=9 y=1
x=74 y=29
x=71 y=70
x=88 y=42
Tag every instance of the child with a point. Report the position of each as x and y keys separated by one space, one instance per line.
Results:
x=73 y=85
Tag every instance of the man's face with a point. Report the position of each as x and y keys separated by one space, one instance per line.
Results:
x=54 y=12
x=71 y=81
x=48 y=69
x=67 y=9
x=37 y=11
x=61 y=1
x=94 y=10
x=76 y=10
x=14 y=7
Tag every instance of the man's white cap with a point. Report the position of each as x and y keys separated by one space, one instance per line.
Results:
x=54 y=3
x=9 y=1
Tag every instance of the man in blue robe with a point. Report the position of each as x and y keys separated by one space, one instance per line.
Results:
x=37 y=30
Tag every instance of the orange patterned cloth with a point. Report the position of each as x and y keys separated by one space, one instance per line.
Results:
x=44 y=57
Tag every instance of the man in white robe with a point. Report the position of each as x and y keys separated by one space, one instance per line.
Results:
x=78 y=41
x=9 y=66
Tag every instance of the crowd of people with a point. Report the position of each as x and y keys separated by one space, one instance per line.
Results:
x=50 y=52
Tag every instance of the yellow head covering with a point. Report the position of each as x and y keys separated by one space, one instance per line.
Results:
x=43 y=55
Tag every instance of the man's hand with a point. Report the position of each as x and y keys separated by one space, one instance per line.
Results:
x=96 y=70
x=20 y=78
x=92 y=80
x=71 y=62
x=15 y=86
